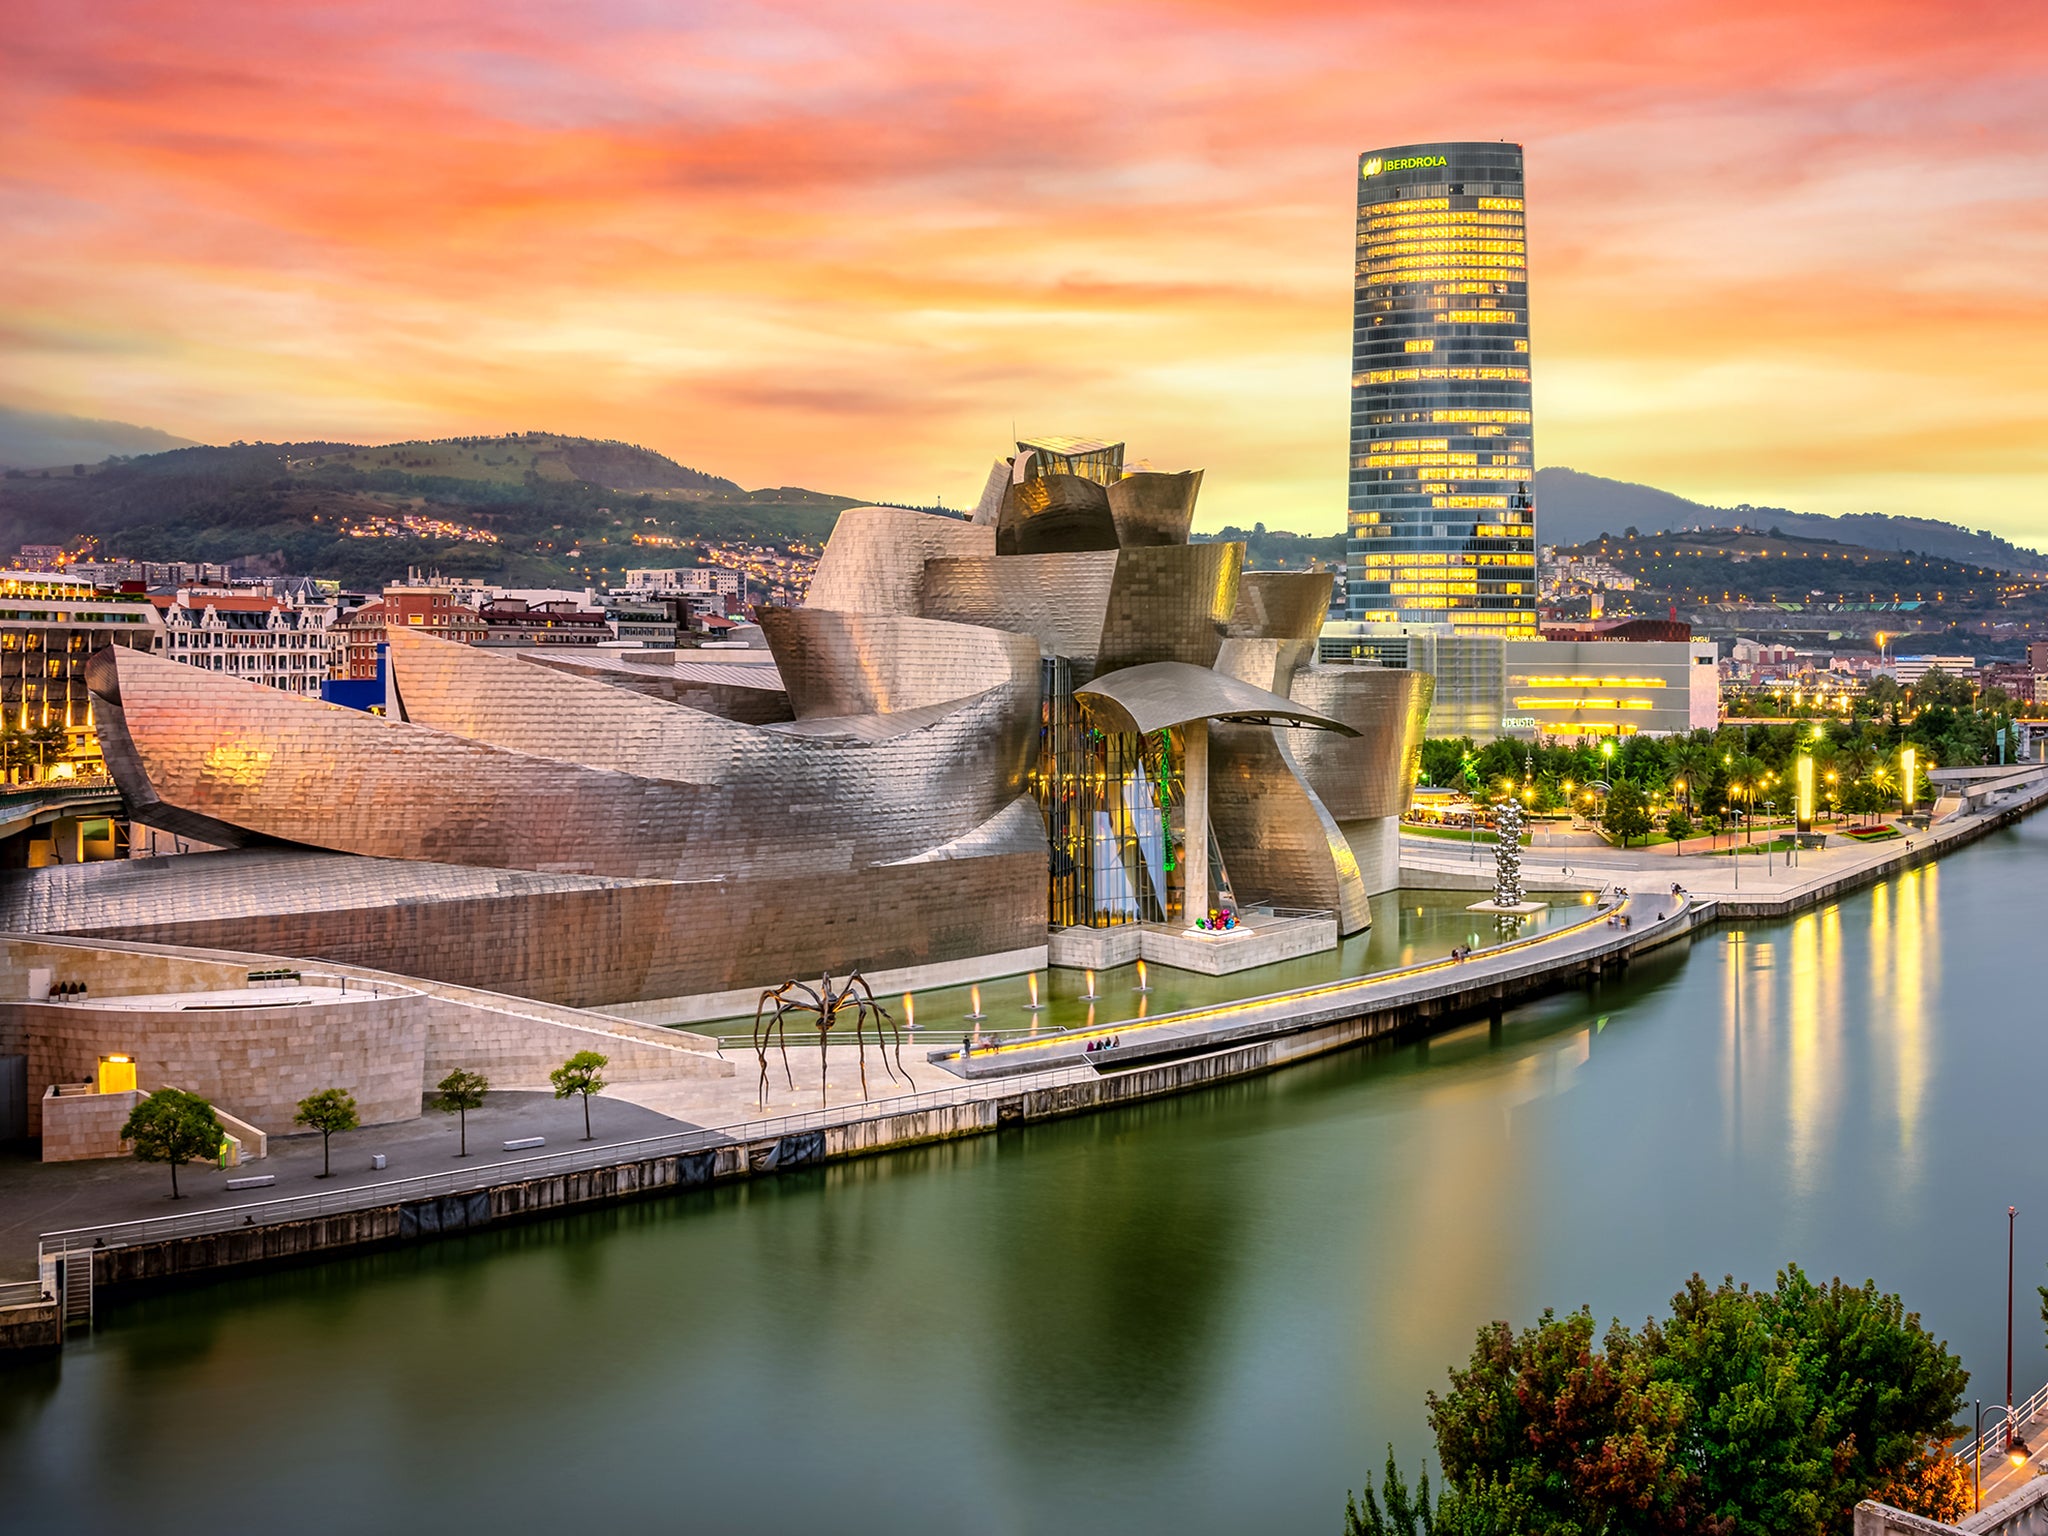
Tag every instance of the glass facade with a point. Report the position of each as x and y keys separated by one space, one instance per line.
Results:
x=1442 y=517
x=1113 y=813
x=1116 y=818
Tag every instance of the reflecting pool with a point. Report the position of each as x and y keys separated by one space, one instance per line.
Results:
x=1204 y=1315
x=1408 y=926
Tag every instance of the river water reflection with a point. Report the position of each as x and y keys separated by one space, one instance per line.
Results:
x=1203 y=1315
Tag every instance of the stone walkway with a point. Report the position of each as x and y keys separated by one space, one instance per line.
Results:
x=1746 y=877
x=38 y=1197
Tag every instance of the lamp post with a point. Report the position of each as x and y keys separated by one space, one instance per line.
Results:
x=1977 y=1453
x=1770 y=810
x=2011 y=1220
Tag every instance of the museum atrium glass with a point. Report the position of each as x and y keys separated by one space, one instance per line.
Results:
x=1442 y=520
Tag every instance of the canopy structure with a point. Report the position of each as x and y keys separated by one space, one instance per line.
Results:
x=1162 y=694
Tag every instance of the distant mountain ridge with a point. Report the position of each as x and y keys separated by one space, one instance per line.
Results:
x=1573 y=507
x=35 y=440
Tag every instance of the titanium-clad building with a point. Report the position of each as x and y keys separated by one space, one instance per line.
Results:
x=1061 y=726
x=1442 y=517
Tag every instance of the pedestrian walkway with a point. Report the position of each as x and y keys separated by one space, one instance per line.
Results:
x=1740 y=880
x=2009 y=1463
x=1612 y=927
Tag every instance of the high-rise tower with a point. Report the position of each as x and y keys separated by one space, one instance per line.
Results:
x=1442 y=517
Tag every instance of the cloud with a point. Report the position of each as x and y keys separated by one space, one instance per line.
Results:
x=1788 y=241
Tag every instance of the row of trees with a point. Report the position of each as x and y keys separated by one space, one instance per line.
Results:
x=1743 y=1413
x=175 y=1127
x=1942 y=718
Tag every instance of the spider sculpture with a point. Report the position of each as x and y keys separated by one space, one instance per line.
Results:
x=826 y=1002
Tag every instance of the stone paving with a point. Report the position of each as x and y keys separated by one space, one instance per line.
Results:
x=37 y=1197
x=1746 y=877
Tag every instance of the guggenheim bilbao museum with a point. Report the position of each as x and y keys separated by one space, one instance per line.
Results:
x=1057 y=731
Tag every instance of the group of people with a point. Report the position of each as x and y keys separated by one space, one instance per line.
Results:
x=1104 y=1045
x=1460 y=951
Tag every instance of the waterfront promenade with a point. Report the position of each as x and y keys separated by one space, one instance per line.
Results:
x=1745 y=885
x=728 y=1127
x=736 y=1127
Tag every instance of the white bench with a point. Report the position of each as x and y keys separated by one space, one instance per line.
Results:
x=525 y=1142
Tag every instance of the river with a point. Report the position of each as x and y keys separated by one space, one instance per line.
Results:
x=1204 y=1315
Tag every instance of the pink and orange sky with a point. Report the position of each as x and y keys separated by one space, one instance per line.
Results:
x=1788 y=252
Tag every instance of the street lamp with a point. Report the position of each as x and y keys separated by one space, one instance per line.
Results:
x=1977 y=1452
x=2012 y=1443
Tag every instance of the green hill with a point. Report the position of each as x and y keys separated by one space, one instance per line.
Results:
x=530 y=508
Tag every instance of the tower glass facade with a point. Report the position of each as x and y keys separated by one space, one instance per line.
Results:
x=1442 y=517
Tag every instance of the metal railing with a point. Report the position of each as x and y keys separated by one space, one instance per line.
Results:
x=20 y=1293
x=2022 y=1414
x=157 y=1229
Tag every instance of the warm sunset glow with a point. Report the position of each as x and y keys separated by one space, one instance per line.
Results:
x=1778 y=252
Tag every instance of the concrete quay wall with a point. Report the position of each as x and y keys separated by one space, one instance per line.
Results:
x=34 y=1328
x=1926 y=848
x=1006 y=1104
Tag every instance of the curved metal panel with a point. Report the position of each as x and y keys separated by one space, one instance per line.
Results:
x=1281 y=605
x=1152 y=507
x=568 y=939
x=762 y=789
x=197 y=746
x=857 y=663
x=1054 y=514
x=1169 y=603
x=874 y=561
x=1159 y=694
x=534 y=769
x=1278 y=841
x=751 y=693
x=990 y=506
x=1372 y=772
x=1059 y=600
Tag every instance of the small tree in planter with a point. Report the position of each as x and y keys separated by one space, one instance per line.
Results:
x=330 y=1111
x=460 y=1092
x=172 y=1126
x=580 y=1075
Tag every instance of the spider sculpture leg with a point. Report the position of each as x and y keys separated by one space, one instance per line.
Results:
x=761 y=1043
x=782 y=1011
x=881 y=1041
x=861 y=1028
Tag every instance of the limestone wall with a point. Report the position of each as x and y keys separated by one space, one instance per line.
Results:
x=258 y=1062
x=80 y=1125
x=385 y=1047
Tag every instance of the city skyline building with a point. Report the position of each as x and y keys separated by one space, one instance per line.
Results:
x=1441 y=522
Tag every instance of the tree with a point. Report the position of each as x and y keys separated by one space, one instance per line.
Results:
x=1585 y=1439
x=580 y=1075
x=460 y=1092
x=330 y=1111
x=1758 y=1412
x=1678 y=827
x=1627 y=813
x=172 y=1126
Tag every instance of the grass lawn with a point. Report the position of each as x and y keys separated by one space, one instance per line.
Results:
x=1454 y=834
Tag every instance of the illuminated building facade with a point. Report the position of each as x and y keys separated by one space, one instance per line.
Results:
x=1442 y=519
x=49 y=624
